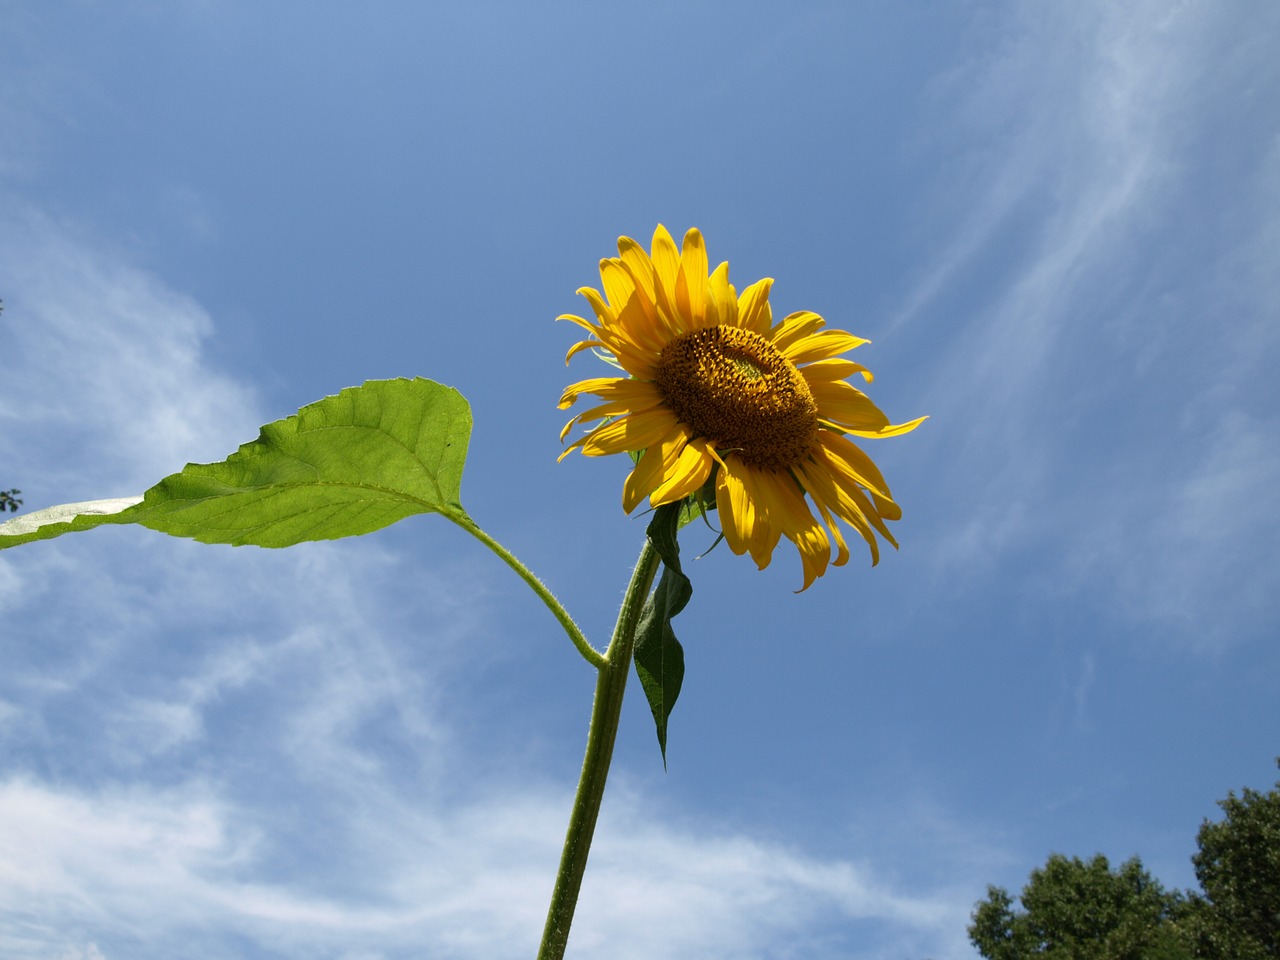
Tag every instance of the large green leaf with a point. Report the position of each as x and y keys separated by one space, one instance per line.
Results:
x=343 y=466
x=659 y=658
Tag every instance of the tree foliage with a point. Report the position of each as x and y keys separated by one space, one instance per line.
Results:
x=1079 y=910
x=1072 y=909
x=1238 y=866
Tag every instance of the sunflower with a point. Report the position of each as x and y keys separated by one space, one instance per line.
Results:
x=715 y=391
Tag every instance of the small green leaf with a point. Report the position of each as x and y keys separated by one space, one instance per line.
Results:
x=345 y=465
x=659 y=658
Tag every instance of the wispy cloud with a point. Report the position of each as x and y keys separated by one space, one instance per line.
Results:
x=1077 y=400
x=1195 y=555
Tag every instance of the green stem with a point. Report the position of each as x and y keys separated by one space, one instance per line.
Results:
x=590 y=653
x=610 y=686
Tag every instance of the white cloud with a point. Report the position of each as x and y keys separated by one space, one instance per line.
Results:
x=296 y=779
x=722 y=894
x=158 y=867
x=103 y=379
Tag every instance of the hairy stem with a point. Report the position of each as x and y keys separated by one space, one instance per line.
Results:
x=611 y=684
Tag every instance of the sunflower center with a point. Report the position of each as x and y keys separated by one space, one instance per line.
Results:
x=733 y=387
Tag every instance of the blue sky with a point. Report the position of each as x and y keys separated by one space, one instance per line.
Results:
x=1057 y=224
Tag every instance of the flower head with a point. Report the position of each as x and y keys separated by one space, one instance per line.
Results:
x=714 y=389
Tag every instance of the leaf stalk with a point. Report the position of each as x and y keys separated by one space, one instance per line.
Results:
x=589 y=653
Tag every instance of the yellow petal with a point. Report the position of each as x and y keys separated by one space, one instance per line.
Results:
x=743 y=516
x=785 y=505
x=819 y=346
x=637 y=317
x=601 y=309
x=587 y=325
x=829 y=498
x=652 y=467
x=575 y=390
x=815 y=552
x=766 y=529
x=847 y=461
x=579 y=347
x=635 y=432
x=833 y=528
x=852 y=504
x=754 y=312
x=834 y=369
x=613 y=408
x=885 y=507
x=691 y=282
x=869 y=511
x=722 y=303
x=637 y=263
x=617 y=282
x=666 y=267
x=687 y=474
x=845 y=404
x=735 y=509
x=795 y=326
x=893 y=430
